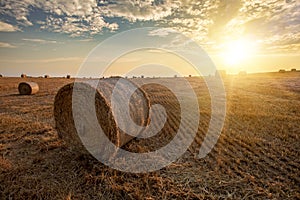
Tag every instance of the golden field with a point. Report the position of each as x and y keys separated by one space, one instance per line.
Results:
x=257 y=155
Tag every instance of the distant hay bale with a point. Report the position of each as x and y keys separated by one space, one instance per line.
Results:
x=293 y=70
x=63 y=112
x=68 y=76
x=281 y=71
x=1 y=75
x=23 y=75
x=242 y=73
x=46 y=76
x=28 y=88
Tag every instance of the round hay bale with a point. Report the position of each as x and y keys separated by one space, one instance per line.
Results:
x=46 y=76
x=242 y=73
x=64 y=119
x=23 y=75
x=28 y=88
x=68 y=76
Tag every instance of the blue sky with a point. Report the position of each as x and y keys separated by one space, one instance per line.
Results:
x=40 y=37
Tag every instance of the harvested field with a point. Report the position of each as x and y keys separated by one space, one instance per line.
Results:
x=257 y=155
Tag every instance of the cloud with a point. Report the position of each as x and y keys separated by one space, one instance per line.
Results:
x=82 y=18
x=163 y=32
x=19 y=10
x=6 y=45
x=74 y=17
x=78 y=26
x=50 y=60
x=276 y=24
x=213 y=22
x=78 y=8
x=40 y=41
x=207 y=22
x=85 y=17
x=4 y=27
x=141 y=10
x=85 y=40
x=155 y=51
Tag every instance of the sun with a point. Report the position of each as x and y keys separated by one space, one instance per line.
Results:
x=237 y=51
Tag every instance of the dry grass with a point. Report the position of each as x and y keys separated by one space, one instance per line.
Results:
x=256 y=157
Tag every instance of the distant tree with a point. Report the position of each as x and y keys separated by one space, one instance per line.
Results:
x=293 y=70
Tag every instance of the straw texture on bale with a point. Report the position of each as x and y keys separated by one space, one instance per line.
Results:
x=28 y=88
x=63 y=112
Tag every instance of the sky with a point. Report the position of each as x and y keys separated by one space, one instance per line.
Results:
x=39 y=37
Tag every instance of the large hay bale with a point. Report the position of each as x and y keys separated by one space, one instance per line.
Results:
x=64 y=118
x=46 y=76
x=23 y=75
x=27 y=88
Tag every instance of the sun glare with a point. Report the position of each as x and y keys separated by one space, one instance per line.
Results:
x=237 y=51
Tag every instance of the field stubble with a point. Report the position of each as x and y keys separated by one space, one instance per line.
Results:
x=257 y=154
